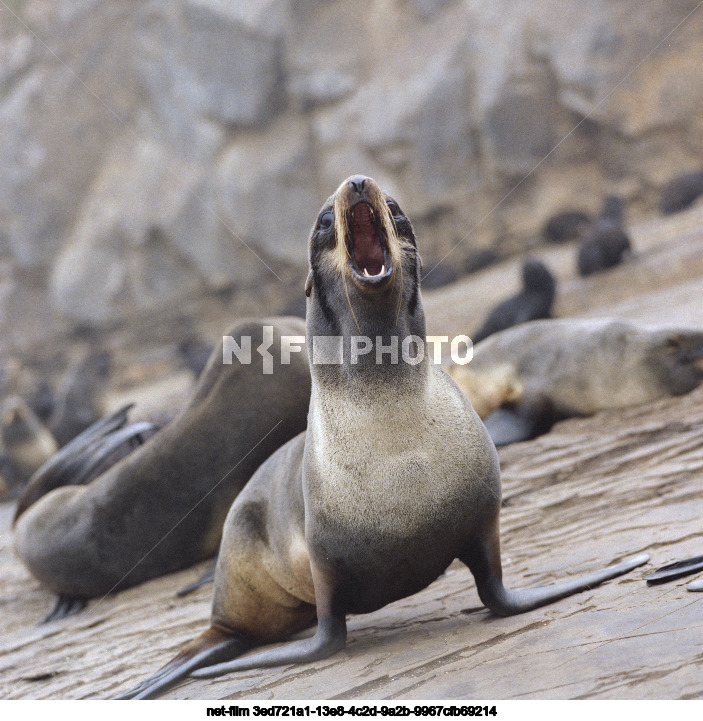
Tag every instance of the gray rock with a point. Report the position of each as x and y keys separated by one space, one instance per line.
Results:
x=520 y=132
x=57 y=118
x=214 y=60
x=418 y=129
x=266 y=193
x=119 y=256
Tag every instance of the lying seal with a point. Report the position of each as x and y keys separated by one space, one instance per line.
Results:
x=576 y=367
x=162 y=507
x=534 y=301
x=394 y=478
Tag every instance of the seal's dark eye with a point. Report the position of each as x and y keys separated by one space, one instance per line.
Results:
x=393 y=207
x=325 y=221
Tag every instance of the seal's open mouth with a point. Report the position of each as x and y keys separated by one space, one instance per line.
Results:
x=369 y=257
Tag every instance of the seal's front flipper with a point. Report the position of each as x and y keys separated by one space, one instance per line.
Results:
x=330 y=637
x=207 y=577
x=213 y=646
x=532 y=415
x=65 y=606
x=505 y=426
x=675 y=570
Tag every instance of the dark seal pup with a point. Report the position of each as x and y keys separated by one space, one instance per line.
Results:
x=394 y=478
x=79 y=400
x=534 y=301
x=681 y=192
x=162 y=507
x=565 y=225
x=606 y=243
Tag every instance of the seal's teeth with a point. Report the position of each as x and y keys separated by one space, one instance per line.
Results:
x=383 y=269
x=366 y=273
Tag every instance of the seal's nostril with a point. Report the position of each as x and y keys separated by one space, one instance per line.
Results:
x=356 y=183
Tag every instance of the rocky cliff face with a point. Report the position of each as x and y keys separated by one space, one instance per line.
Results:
x=154 y=153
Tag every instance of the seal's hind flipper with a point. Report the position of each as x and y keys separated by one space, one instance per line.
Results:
x=65 y=606
x=207 y=577
x=86 y=456
x=110 y=449
x=675 y=570
x=212 y=647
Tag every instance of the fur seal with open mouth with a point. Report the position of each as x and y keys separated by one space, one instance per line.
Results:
x=394 y=478
x=162 y=507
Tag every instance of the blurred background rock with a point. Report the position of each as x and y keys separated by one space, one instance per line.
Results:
x=161 y=162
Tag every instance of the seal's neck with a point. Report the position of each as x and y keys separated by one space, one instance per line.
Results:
x=372 y=343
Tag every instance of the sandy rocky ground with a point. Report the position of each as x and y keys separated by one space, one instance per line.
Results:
x=591 y=492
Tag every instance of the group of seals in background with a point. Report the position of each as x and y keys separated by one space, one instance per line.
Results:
x=603 y=242
x=31 y=431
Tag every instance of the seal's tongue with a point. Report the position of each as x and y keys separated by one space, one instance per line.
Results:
x=368 y=252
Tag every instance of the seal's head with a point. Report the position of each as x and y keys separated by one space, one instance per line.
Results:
x=17 y=422
x=363 y=258
x=676 y=359
x=537 y=278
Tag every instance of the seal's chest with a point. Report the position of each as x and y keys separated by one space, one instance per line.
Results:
x=382 y=560
x=389 y=509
